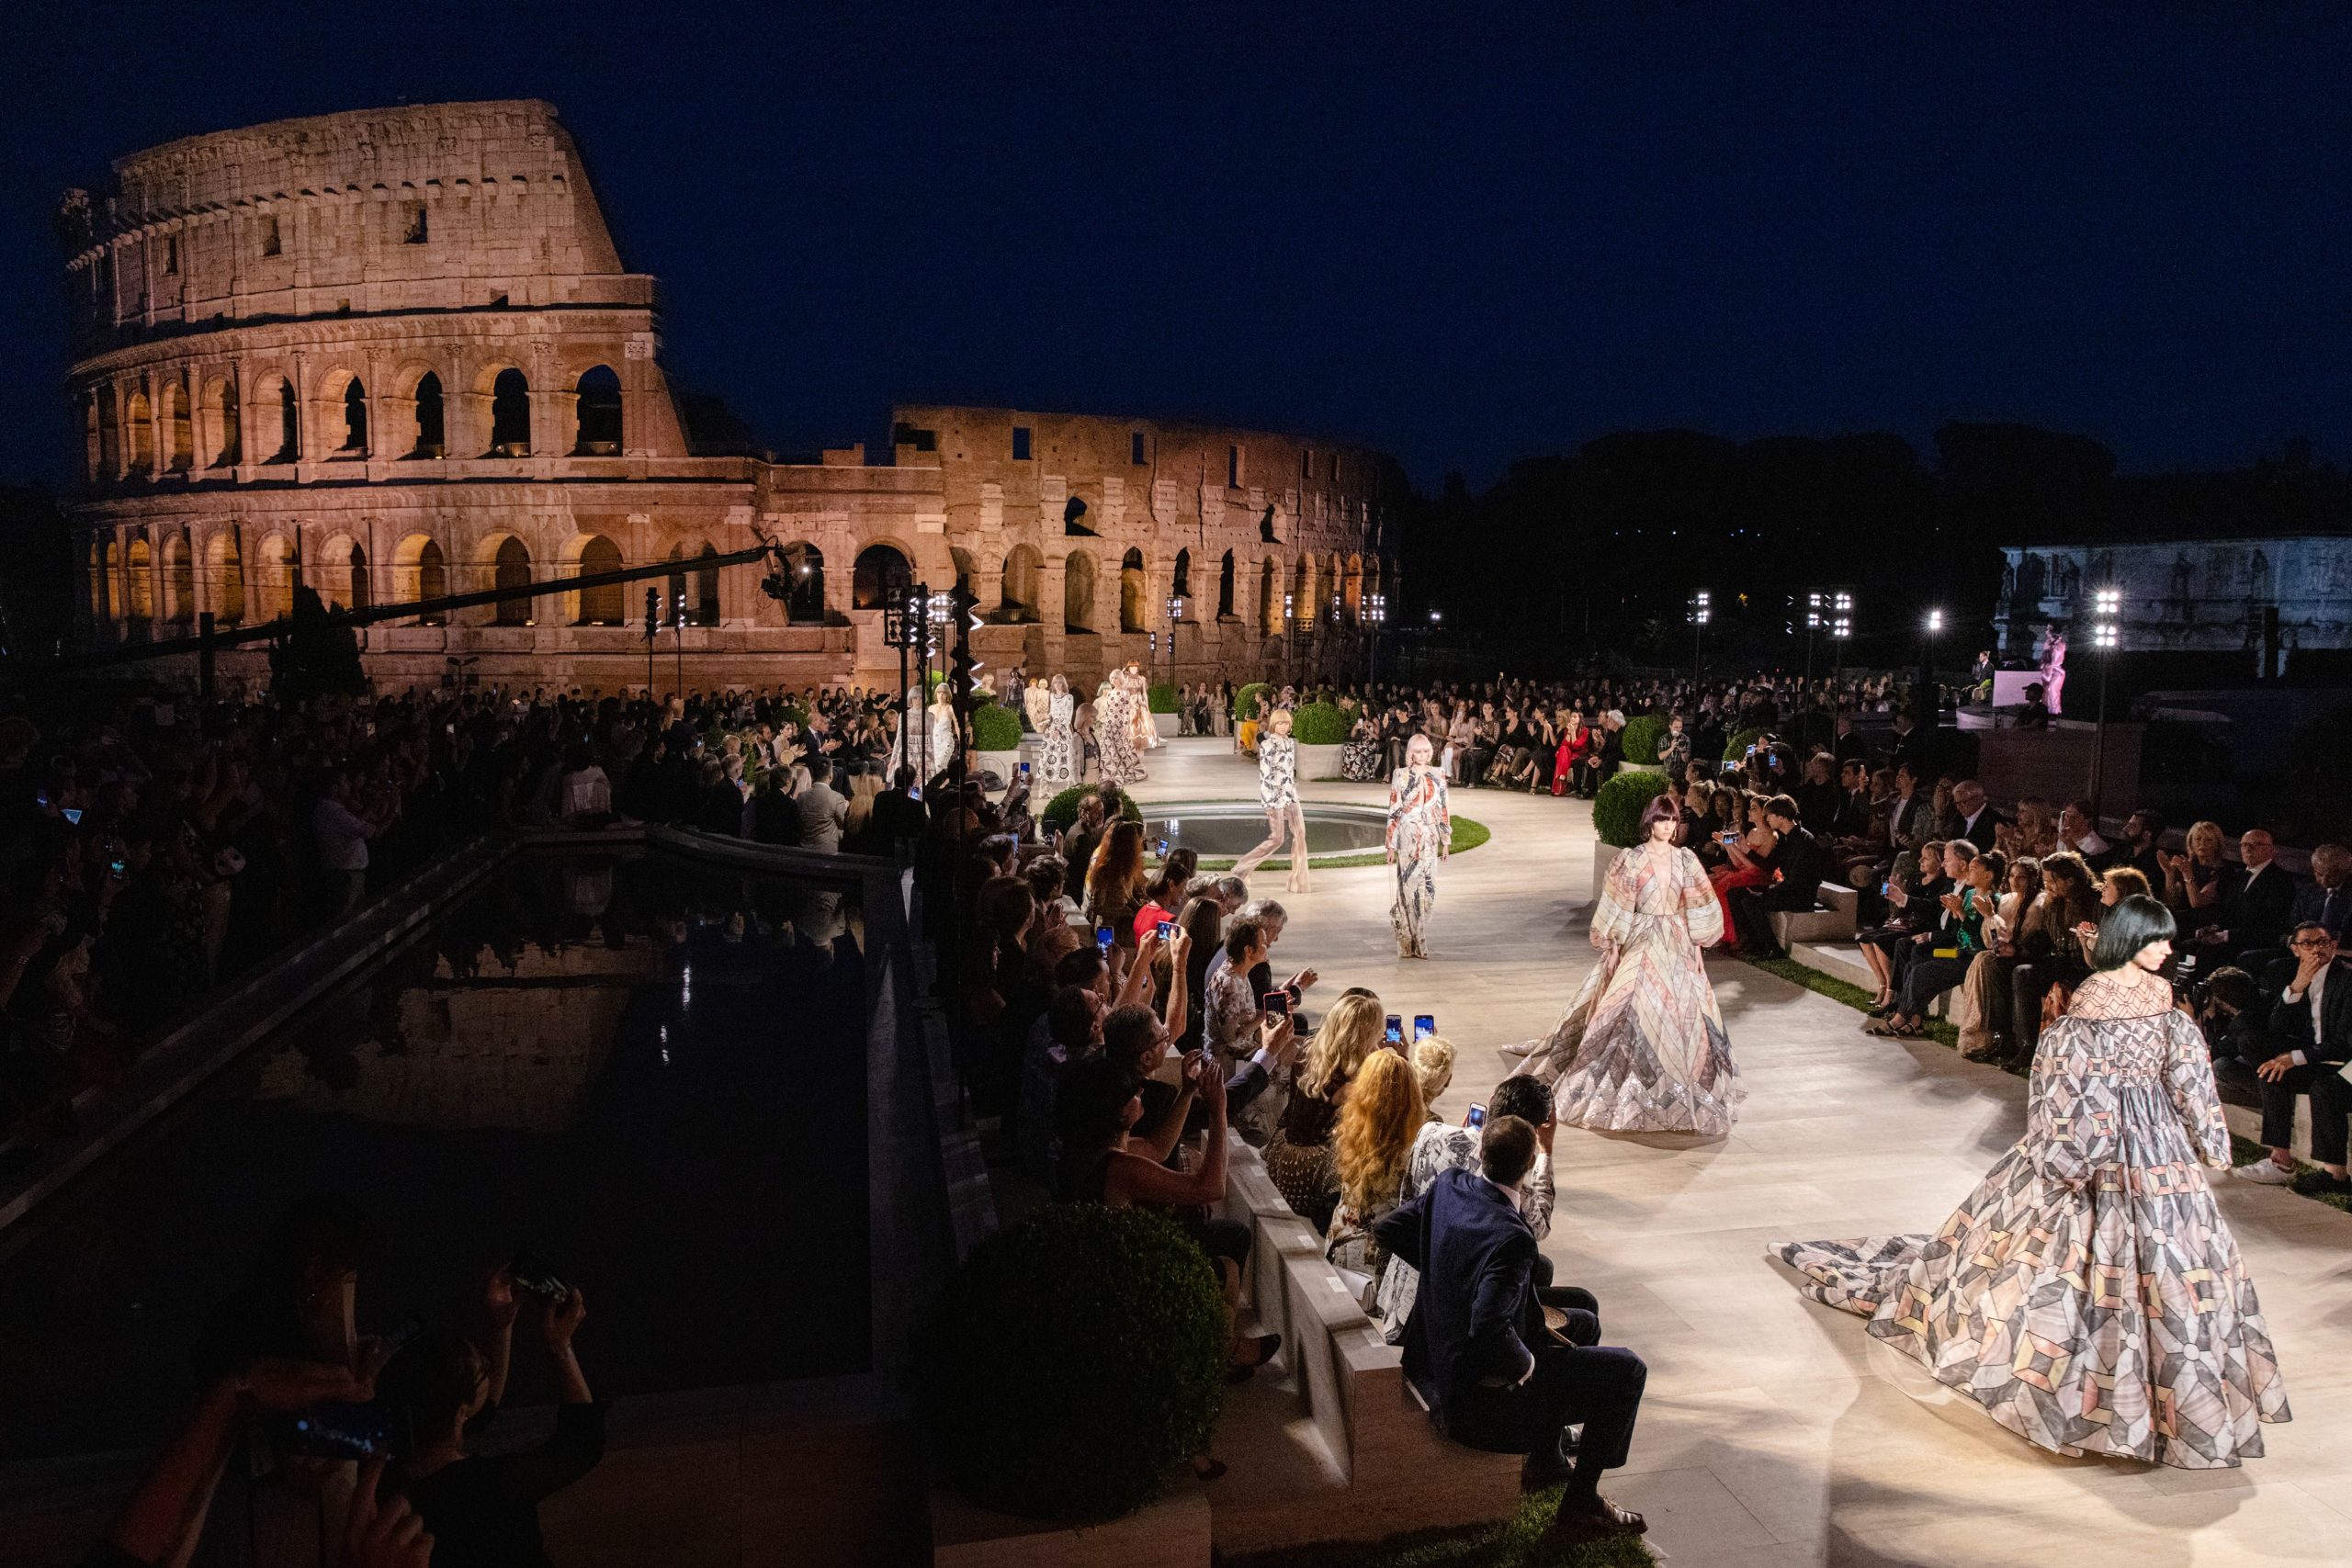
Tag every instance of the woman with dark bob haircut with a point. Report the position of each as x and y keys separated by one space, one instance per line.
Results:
x=2088 y=1293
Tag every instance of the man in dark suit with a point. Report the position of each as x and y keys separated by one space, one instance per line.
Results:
x=1977 y=817
x=1476 y=1348
x=2256 y=905
x=2315 y=1013
x=897 y=815
x=1797 y=865
x=2327 y=899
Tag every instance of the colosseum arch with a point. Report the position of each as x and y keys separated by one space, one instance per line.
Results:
x=101 y=567
x=1302 y=591
x=179 y=428
x=1270 y=599
x=597 y=418
x=139 y=580
x=1135 y=614
x=139 y=414
x=1327 y=587
x=224 y=434
x=602 y=606
x=1078 y=591
x=804 y=577
x=275 y=397
x=109 y=435
x=1225 y=588
x=224 y=573
x=701 y=593
x=281 y=568
x=341 y=575
x=510 y=412
x=85 y=407
x=352 y=428
x=429 y=431
x=1018 y=597
x=1180 y=584
x=880 y=574
x=506 y=563
x=179 y=578
x=420 y=570
x=1351 y=591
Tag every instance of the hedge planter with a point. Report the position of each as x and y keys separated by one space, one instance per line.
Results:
x=1164 y=724
x=1319 y=761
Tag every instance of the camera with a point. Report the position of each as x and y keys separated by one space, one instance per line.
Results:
x=534 y=1278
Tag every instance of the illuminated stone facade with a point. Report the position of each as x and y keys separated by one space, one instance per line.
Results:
x=395 y=353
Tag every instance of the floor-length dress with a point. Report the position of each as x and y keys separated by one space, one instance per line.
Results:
x=1420 y=833
x=1642 y=1048
x=1285 y=817
x=1147 y=731
x=1114 y=737
x=1057 y=758
x=2088 y=1293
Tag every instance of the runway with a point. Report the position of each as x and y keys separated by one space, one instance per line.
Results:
x=1774 y=1433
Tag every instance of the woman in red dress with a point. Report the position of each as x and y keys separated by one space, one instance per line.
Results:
x=1747 y=864
x=1574 y=743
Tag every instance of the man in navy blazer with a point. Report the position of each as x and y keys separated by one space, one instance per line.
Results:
x=1476 y=1348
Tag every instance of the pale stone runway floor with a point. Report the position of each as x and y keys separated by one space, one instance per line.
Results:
x=1774 y=1433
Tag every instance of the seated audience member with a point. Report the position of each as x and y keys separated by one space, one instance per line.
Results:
x=2143 y=834
x=1910 y=891
x=2326 y=900
x=1974 y=818
x=1942 y=953
x=2314 y=1013
x=1476 y=1346
x=1433 y=1064
x=1981 y=1010
x=2236 y=1022
x=2050 y=959
x=2193 y=878
x=2079 y=832
x=1443 y=1147
x=483 y=1511
x=1378 y=1124
x=1797 y=865
x=1298 y=1156
x=2256 y=903
x=1163 y=894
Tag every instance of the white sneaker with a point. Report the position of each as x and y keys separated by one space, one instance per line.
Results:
x=2267 y=1173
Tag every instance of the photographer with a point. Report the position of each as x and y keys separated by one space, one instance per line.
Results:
x=2228 y=1006
x=485 y=1511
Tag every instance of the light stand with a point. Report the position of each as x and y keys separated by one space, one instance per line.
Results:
x=1698 y=615
x=1290 y=631
x=2106 y=634
x=1375 y=615
x=1829 y=610
x=678 y=629
x=901 y=624
x=1175 y=618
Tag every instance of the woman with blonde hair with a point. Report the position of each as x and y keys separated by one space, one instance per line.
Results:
x=1373 y=1142
x=1299 y=1155
x=1420 y=834
x=1433 y=1064
x=2193 y=881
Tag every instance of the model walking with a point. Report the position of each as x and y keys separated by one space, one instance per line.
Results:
x=1420 y=834
x=1115 y=734
x=2088 y=1293
x=1278 y=792
x=1060 y=762
x=1147 y=733
x=1643 y=1049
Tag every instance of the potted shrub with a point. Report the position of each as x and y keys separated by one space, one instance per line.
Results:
x=996 y=740
x=1062 y=810
x=1616 y=814
x=1163 y=709
x=1642 y=737
x=1071 y=1362
x=1736 y=747
x=1246 y=700
x=1320 y=728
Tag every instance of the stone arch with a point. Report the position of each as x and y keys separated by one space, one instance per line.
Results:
x=1134 y=612
x=506 y=563
x=355 y=418
x=420 y=570
x=1327 y=591
x=85 y=405
x=1225 y=588
x=510 y=412
x=1351 y=591
x=225 y=574
x=1270 y=599
x=101 y=585
x=1078 y=591
x=109 y=433
x=1018 y=597
x=598 y=413
x=881 y=573
x=702 y=592
x=139 y=415
x=1180 y=584
x=804 y=581
x=361 y=586
x=602 y=606
x=223 y=424
x=432 y=427
x=280 y=560
x=334 y=578
x=275 y=397
x=1301 y=593
x=179 y=578
x=180 y=428
x=139 y=579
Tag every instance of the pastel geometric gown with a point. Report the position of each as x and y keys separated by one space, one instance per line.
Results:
x=1420 y=833
x=1643 y=1048
x=2088 y=1294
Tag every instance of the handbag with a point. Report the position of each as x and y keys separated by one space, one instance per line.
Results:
x=1302 y=1173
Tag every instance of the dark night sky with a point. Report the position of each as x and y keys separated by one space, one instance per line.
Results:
x=1464 y=240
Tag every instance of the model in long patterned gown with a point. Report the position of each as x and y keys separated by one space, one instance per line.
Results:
x=1139 y=719
x=1642 y=1048
x=1278 y=794
x=1114 y=736
x=1058 y=757
x=2088 y=1293
x=1420 y=834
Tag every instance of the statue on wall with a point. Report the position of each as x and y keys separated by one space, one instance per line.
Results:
x=2008 y=581
x=2054 y=670
x=2180 y=575
x=2070 y=582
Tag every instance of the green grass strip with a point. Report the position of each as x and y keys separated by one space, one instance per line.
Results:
x=1516 y=1542
x=1837 y=990
x=1468 y=834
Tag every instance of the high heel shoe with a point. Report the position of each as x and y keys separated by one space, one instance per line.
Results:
x=1262 y=1349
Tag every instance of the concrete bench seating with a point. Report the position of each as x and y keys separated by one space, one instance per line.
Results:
x=1832 y=921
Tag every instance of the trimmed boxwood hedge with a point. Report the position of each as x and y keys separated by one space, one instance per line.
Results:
x=1642 y=737
x=1246 y=700
x=1062 y=810
x=1617 y=809
x=1083 y=1430
x=1162 y=696
x=1319 y=724
x=1736 y=747
x=995 y=729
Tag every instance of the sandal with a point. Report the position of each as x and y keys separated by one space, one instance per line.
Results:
x=1883 y=1028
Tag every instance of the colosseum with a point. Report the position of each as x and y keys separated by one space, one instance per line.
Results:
x=394 y=354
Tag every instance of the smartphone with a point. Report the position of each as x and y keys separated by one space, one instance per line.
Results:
x=1395 y=1033
x=1476 y=1117
x=1167 y=929
x=71 y=814
x=1024 y=770
x=534 y=1278
x=1275 y=1004
x=1163 y=847
x=914 y=792
x=1103 y=937
x=334 y=1431
x=42 y=800
x=115 y=868
x=1424 y=1025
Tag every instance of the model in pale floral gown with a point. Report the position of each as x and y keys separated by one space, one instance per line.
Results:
x=1115 y=734
x=1278 y=794
x=1643 y=1049
x=1420 y=834
x=1059 y=761
x=2088 y=1293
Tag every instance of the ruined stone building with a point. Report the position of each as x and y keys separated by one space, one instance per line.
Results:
x=394 y=354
